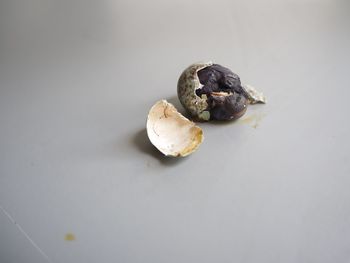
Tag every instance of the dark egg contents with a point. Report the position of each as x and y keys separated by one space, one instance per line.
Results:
x=226 y=98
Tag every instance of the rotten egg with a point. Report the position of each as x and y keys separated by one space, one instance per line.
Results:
x=210 y=91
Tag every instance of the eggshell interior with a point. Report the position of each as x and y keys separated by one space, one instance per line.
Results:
x=172 y=133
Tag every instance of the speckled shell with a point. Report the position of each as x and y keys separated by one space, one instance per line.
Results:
x=186 y=90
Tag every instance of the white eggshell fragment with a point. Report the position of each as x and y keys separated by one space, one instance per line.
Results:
x=170 y=132
x=253 y=95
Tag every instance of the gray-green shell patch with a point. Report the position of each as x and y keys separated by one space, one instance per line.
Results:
x=186 y=90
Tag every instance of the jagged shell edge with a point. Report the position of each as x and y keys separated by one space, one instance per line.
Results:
x=187 y=85
x=191 y=147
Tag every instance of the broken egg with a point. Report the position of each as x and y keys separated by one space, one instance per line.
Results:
x=170 y=132
x=210 y=91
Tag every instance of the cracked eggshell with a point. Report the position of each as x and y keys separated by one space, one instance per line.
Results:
x=253 y=95
x=186 y=89
x=170 y=132
x=212 y=103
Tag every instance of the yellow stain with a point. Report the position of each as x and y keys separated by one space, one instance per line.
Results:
x=253 y=120
x=69 y=237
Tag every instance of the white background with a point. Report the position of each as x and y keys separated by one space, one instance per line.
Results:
x=77 y=79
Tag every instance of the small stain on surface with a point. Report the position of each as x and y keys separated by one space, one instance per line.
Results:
x=69 y=237
x=253 y=120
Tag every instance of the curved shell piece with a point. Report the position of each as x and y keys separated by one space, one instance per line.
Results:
x=170 y=132
x=186 y=89
x=253 y=95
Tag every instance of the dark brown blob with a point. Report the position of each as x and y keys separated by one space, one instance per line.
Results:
x=226 y=97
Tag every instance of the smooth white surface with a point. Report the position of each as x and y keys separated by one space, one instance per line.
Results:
x=77 y=79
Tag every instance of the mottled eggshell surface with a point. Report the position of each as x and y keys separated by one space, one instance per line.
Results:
x=212 y=92
x=187 y=85
x=170 y=132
